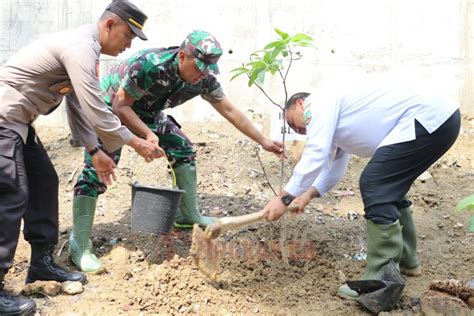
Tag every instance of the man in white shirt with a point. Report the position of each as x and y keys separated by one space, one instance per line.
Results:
x=403 y=129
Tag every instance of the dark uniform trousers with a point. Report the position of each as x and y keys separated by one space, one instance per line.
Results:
x=28 y=191
x=388 y=176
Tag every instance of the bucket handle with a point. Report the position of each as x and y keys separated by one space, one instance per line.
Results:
x=173 y=175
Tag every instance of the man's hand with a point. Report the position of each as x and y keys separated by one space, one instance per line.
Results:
x=152 y=138
x=303 y=200
x=274 y=209
x=104 y=166
x=146 y=149
x=243 y=124
x=273 y=146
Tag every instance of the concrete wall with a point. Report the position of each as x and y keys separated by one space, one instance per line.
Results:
x=421 y=39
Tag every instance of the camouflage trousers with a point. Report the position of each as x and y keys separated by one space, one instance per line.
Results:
x=177 y=146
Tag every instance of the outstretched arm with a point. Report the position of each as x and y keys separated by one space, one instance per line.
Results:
x=243 y=124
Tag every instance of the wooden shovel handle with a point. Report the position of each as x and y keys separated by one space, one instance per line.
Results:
x=232 y=222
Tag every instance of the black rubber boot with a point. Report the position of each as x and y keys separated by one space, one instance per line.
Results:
x=43 y=267
x=14 y=305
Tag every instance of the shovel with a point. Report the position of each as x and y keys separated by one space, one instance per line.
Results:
x=232 y=222
x=206 y=252
x=380 y=295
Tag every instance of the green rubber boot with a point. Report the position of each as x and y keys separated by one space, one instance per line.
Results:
x=409 y=263
x=384 y=242
x=80 y=246
x=188 y=212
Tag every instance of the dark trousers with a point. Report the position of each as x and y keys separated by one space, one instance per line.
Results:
x=28 y=191
x=392 y=170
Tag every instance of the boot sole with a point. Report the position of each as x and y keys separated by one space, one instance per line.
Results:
x=183 y=226
x=341 y=294
x=93 y=272
x=29 y=280
x=347 y=297
x=31 y=311
x=415 y=272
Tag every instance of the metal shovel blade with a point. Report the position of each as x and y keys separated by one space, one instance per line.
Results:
x=380 y=295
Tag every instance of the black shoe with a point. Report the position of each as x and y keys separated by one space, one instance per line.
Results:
x=43 y=267
x=16 y=305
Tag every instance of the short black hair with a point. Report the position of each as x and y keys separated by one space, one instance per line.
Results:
x=107 y=14
x=294 y=97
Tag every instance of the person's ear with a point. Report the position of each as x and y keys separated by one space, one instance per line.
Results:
x=181 y=56
x=108 y=24
x=299 y=104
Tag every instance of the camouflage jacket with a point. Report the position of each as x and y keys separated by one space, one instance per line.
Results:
x=151 y=77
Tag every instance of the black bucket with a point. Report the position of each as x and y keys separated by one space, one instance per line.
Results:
x=154 y=208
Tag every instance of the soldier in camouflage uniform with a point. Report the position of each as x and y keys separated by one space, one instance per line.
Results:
x=138 y=90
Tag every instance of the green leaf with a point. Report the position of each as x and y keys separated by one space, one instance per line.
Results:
x=238 y=74
x=274 y=68
x=301 y=37
x=273 y=44
x=281 y=33
x=276 y=52
x=466 y=204
x=305 y=44
x=252 y=79
x=267 y=58
x=239 y=69
x=279 y=64
x=261 y=76
x=256 y=65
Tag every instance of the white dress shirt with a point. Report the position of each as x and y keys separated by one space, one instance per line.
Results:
x=357 y=121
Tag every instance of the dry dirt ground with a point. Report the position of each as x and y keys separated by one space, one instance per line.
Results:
x=153 y=274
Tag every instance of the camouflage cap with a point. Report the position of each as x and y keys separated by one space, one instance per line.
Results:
x=205 y=49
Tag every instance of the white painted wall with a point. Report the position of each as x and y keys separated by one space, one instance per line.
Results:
x=414 y=39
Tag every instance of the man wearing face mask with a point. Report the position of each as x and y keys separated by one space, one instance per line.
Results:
x=403 y=128
x=33 y=82
x=138 y=90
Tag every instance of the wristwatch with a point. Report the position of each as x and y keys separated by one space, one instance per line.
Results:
x=93 y=151
x=287 y=199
